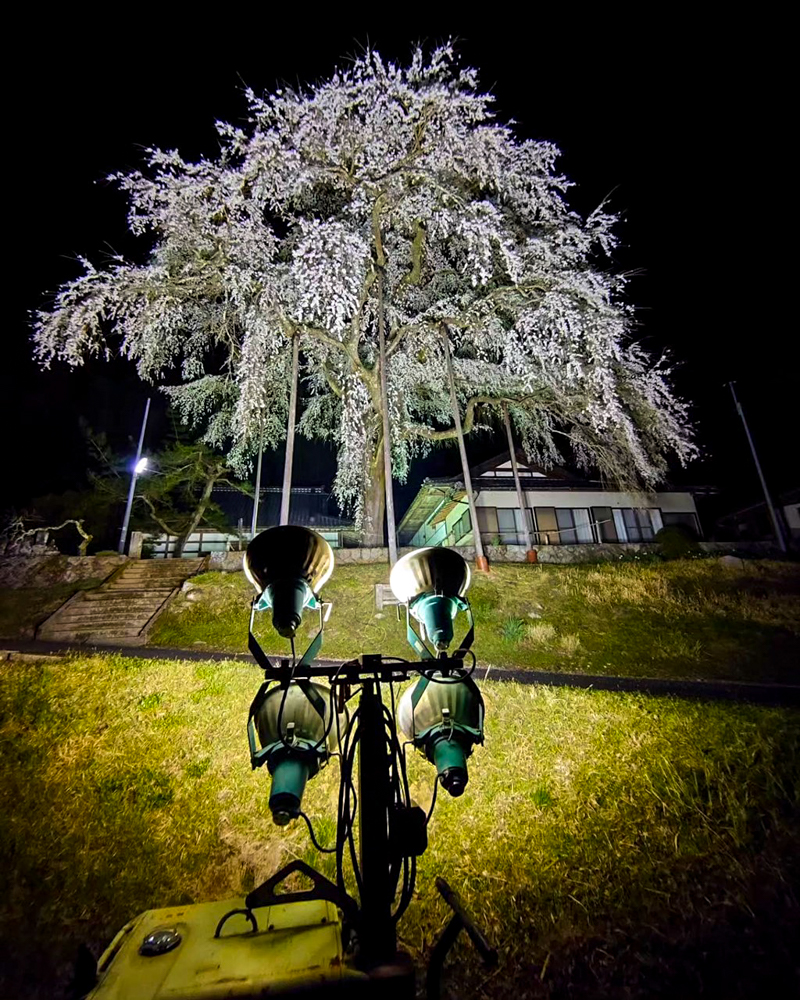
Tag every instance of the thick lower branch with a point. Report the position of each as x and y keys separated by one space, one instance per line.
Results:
x=450 y=433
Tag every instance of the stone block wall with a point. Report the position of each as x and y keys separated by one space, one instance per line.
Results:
x=17 y=572
x=231 y=562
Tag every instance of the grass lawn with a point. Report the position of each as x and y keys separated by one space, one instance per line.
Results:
x=610 y=845
x=21 y=610
x=687 y=618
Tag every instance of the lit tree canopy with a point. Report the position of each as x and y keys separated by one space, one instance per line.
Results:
x=383 y=184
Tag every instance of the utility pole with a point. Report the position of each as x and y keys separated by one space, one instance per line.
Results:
x=256 y=499
x=530 y=553
x=776 y=524
x=123 y=535
x=286 y=494
x=391 y=528
x=480 y=557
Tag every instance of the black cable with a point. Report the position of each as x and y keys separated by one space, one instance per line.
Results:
x=342 y=819
x=323 y=850
x=433 y=800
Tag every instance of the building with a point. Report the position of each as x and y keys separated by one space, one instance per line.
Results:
x=754 y=523
x=560 y=508
x=312 y=508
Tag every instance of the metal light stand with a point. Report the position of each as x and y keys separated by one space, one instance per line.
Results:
x=385 y=837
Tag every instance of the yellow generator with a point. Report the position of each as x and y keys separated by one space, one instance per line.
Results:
x=209 y=951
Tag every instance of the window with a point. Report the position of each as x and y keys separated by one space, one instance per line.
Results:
x=546 y=525
x=637 y=524
x=684 y=519
x=604 y=524
x=461 y=527
x=563 y=525
x=583 y=524
x=574 y=525
x=507 y=525
x=487 y=521
x=567 y=534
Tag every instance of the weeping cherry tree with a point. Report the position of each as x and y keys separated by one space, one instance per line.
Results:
x=384 y=191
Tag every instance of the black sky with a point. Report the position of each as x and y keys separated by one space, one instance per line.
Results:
x=685 y=120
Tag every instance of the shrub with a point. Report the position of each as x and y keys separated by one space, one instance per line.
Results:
x=676 y=542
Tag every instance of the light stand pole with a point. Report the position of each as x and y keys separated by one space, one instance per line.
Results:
x=123 y=536
x=776 y=524
x=374 y=789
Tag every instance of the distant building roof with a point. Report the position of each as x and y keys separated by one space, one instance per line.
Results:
x=311 y=507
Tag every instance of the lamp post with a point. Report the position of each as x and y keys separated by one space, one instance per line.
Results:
x=139 y=466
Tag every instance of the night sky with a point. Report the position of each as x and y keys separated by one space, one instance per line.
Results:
x=684 y=121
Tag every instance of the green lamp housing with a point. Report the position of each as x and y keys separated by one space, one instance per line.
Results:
x=288 y=565
x=436 y=614
x=442 y=714
x=432 y=582
x=297 y=730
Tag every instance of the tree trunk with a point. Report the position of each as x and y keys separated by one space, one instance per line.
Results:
x=197 y=517
x=375 y=501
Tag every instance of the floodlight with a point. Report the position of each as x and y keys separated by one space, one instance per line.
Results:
x=288 y=565
x=442 y=715
x=432 y=582
x=141 y=465
x=297 y=729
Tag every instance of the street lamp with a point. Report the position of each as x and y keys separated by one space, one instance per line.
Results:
x=139 y=467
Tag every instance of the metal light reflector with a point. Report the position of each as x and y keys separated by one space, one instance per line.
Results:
x=432 y=582
x=297 y=730
x=288 y=565
x=442 y=714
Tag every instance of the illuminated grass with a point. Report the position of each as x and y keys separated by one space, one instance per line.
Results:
x=611 y=845
x=688 y=618
x=23 y=609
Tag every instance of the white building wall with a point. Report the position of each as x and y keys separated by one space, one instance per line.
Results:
x=672 y=502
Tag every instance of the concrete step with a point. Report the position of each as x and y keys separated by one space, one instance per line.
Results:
x=76 y=634
x=113 y=607
x=123 y=607
x=72 y=621
x=115 y=595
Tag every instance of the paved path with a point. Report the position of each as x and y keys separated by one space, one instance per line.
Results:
x=767 y=694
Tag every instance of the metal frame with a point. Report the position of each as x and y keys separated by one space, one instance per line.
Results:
x=372 y=921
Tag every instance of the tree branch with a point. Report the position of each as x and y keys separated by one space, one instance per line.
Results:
x=162 y=524
x=449 y=433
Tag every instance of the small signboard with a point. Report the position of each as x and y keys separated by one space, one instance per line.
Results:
x=384 y=596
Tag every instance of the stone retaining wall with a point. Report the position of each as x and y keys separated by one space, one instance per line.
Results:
x=231 y=562
x=17 y=572
x=44 y=570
